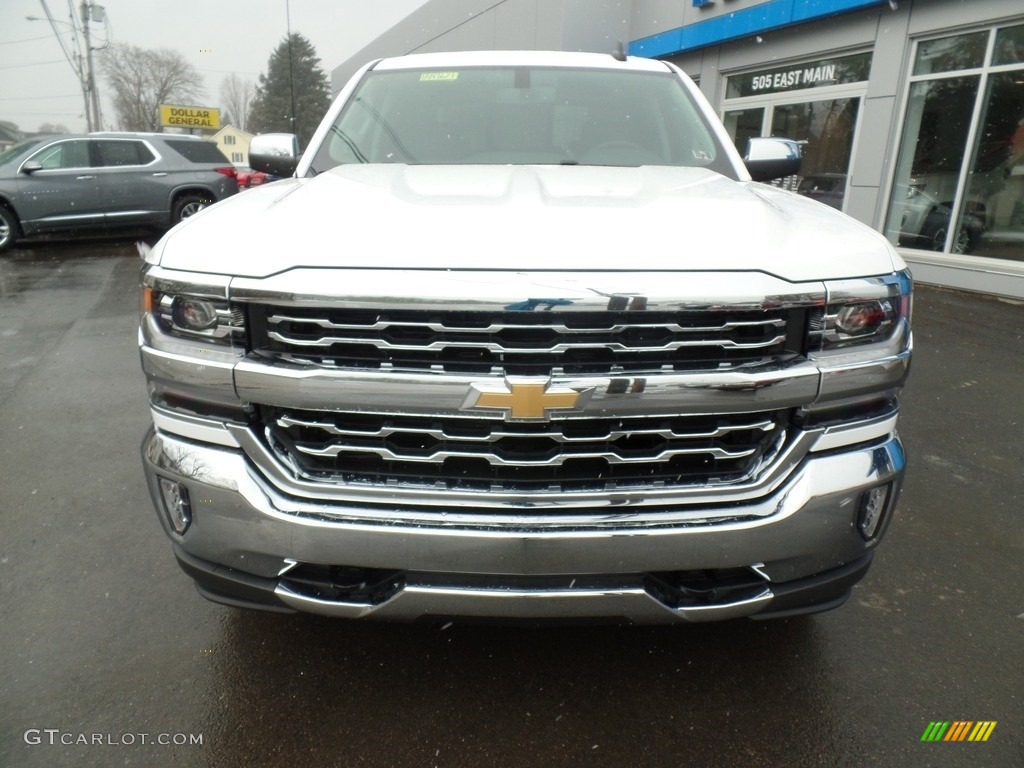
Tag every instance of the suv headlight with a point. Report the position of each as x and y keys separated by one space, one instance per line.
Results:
x=862 y=311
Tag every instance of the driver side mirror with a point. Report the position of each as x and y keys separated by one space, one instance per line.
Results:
x=769 y=158
x=274 y=153
x=31 y=167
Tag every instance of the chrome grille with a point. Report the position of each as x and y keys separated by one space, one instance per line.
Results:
x=461 y=453
x=528 y=342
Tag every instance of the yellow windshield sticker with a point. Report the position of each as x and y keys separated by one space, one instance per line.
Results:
x=439 y=76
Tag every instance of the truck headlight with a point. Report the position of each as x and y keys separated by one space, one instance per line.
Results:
x=195 y=317
x=869 y=317
x=862 y=311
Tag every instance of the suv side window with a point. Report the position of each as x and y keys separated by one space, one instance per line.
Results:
x=197 y=151
x=64 y=154
x=118 y=152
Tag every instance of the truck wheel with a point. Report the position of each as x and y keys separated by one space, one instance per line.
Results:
x=8 y=228
x=189 y=205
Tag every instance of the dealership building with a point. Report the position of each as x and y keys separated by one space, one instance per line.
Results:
x=910 y=112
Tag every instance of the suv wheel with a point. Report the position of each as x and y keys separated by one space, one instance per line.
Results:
x=962 y=244
x=189 y=205
x=8 y=228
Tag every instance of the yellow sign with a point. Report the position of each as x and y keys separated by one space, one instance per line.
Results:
x=189 y=117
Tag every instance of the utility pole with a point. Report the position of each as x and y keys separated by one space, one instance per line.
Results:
x=291 y=76
x=74 y=57
x=82 y=65
x=97 y=119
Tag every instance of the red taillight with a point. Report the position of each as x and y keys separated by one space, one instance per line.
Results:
x=231 y=173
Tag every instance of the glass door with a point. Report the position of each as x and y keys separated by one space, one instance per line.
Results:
x=816 y=103
x=825 y=128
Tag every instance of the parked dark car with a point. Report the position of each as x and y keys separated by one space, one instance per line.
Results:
x=105 y=181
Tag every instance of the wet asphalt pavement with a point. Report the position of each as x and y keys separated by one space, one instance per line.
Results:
x=103 y=639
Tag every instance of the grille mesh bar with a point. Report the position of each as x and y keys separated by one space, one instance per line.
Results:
x=570 y=454
x=532 y=343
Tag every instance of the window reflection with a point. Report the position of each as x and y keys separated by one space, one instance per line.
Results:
x=825 y=129
x=1010 y=46
x=995 y=185
x=934 y=144
x=951 y=53
x=744 y=125
x=959 y=187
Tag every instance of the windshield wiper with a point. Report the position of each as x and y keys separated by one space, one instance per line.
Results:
x=387 y=129
x=351 y=144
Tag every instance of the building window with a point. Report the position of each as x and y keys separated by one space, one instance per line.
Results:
x=229 y=139
x=959 y=182
x=237 y=157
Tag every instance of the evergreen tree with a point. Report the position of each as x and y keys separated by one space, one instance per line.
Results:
x=293 y=73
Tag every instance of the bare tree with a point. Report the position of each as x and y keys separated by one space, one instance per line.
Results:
x=236 y=95
x=144 y=79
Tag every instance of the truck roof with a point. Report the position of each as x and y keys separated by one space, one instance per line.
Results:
x=519 y=58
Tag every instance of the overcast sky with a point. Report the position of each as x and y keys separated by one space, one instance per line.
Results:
x=38 y=85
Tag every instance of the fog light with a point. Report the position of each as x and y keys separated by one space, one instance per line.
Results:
x=176 y=505
x=873 y=504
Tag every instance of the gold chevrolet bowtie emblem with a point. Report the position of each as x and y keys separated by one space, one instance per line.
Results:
x=522 y=399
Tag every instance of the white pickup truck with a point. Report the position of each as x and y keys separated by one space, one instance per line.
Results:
x=521 y=336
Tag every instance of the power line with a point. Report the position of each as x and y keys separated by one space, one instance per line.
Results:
x=227 y=71
x=23 y=40
x=36 y=98
x=53 y=114
x=33 y=64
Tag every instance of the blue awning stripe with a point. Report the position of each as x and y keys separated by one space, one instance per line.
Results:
x=743 y=23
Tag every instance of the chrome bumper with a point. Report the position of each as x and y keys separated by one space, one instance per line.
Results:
x=591 y=563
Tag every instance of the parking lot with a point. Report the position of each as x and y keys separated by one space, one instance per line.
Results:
x=109 y=657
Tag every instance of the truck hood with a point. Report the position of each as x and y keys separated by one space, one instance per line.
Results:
x=525 y=218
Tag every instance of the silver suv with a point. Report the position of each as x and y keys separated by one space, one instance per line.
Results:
x=108 y=181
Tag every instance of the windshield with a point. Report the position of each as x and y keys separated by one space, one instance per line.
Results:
x=521 y=115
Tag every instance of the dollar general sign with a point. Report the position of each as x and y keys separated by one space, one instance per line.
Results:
x=189 y=117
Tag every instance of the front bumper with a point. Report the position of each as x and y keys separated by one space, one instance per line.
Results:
x=798 y=547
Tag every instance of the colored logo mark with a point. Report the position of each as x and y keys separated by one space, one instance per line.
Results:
x=523 y=400
x=959 y=730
